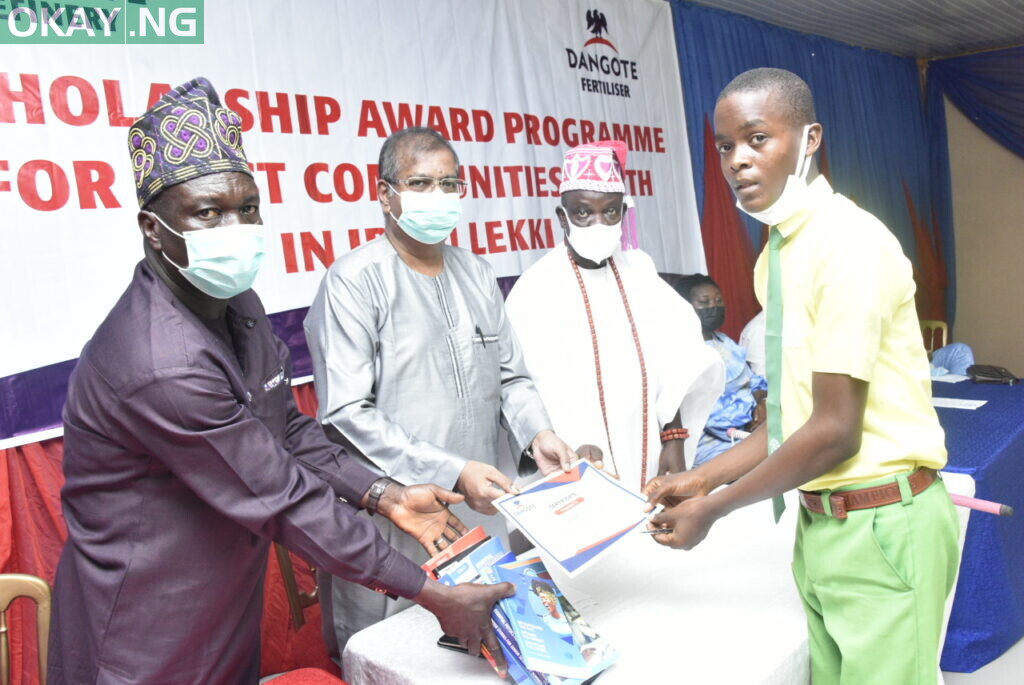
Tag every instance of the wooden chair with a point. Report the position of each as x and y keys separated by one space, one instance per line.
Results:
x=935 y=334
x=13 y=586
x=297 y=599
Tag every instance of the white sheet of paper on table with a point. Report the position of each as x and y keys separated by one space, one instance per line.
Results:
x=949 y=378
x=956 y=403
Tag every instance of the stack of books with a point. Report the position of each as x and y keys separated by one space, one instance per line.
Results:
x=542 y=636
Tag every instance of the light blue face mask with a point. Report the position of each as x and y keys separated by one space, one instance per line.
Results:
x=222 y=261
x=428 y=217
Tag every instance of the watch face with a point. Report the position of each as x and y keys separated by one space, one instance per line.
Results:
x=376 y=490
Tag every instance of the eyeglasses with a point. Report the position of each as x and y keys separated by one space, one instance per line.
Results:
x=427 y=184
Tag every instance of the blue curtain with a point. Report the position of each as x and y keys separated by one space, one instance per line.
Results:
x=876 y=133
x=989 y=89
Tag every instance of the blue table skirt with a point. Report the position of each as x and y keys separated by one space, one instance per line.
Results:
x=987 y=444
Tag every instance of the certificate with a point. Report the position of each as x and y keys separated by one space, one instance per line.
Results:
x=575 y=517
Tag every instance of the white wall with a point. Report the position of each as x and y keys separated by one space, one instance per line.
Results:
x=988 y=211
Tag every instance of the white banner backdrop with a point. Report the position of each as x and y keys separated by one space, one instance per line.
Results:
x=319 y=85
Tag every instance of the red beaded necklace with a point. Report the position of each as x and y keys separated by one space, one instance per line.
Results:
x=597 y=363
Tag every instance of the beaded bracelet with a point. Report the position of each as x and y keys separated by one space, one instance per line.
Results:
x=674 y=434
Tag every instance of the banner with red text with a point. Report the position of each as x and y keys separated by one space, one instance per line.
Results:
x=319 y=85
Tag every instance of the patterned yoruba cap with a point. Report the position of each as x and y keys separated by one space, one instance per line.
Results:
x=186 y=134
x=594 y=166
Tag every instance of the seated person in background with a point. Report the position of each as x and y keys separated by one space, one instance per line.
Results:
x=952 y=358
x=741 y=404
x=752 y=342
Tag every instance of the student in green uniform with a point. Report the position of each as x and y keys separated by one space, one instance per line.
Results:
x=850 y=422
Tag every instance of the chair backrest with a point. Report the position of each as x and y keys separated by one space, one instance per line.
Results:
x=297 y=599
x=13 y=586
x=935 y=334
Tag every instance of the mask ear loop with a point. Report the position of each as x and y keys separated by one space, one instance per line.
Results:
x=803 y=165
x=629 y=232
x=395 y=191
x=164 y=223
x=162 y=253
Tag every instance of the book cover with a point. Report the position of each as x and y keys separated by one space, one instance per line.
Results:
x=459 y=547
x=465 y=568
x=496 y=553
x=541 y=628
x=596 y=650
x=506 y=636
x=509 y=647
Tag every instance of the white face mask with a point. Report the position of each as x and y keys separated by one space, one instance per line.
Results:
x=222 y=261
x=428 y=217
x=794 y=194
x=596 y=242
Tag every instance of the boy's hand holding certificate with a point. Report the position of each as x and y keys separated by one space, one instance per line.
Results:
x=575 y=517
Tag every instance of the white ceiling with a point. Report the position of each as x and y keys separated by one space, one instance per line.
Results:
x=912 y=28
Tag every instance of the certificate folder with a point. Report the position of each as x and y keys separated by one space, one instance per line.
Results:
x=575 y=517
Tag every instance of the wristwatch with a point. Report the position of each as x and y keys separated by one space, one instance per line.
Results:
x=376 y=491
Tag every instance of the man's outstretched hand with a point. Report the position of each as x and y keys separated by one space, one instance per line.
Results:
x=686 y=517
x=551 y=453
x=686 y=524
x=464 y=611
x=482 y=484
x=422 y=512
x=591 y=453
x=673 y=488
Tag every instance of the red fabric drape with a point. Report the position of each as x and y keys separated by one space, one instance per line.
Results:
x=32 y=534
x=727 y=248
x=930 y=270
x=284 y=648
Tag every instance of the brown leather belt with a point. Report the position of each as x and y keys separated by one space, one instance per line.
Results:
x=867 y=498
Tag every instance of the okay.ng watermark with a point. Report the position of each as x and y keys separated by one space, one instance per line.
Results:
x=101 y=21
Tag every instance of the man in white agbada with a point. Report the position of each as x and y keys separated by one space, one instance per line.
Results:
x=616 y=354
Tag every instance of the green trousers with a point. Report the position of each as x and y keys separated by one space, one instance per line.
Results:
x=874 y=587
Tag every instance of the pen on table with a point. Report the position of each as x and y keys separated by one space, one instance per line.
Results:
x=982 y=505
x=656 y=531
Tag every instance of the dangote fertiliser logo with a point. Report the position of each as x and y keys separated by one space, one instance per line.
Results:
x=600 y=57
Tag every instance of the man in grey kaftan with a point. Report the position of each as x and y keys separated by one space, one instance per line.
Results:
x=416 y=365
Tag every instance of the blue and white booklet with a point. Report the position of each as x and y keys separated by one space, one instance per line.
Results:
x=552 y=636
x=544 y=639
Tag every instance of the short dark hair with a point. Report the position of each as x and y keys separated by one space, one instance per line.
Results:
x=412 y=140
x=685 y=285
x=791 y=89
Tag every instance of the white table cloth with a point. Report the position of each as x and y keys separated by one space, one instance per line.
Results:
x=726 y=612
